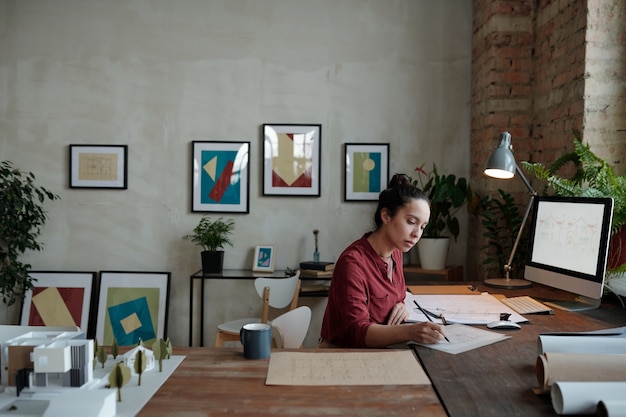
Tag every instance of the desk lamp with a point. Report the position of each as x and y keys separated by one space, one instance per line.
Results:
x=501 y=164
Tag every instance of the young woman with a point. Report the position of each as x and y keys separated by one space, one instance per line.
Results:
x=366 y=297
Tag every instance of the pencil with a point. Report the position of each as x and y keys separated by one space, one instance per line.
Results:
x=431 y=320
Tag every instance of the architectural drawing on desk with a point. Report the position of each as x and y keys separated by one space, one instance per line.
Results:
x=36 y=359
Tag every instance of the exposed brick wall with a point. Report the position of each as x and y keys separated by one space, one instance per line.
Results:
x=542 y=69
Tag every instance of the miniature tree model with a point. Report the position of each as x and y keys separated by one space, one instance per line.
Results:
x=119 y=376
x=140 y=363
x=102 y=355
x=115 y=349
x=159 y=348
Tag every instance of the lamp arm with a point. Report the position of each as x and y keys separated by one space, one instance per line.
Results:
x=508 y=267
x=526 y=183
x=533 y=193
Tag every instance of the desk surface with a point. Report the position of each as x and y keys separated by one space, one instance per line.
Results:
x=495 y=380
x=219 y=381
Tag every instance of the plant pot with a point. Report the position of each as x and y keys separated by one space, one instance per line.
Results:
x=433 y=252
x=212 y=261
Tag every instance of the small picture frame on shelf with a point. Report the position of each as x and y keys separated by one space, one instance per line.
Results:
x=263 y=259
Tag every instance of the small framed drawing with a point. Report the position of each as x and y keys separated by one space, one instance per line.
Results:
x=263 y=259
x=99 y=166
x=59 y=298
x=367 y=170
x=221 y=178
x=132 y=306
x=291 y=159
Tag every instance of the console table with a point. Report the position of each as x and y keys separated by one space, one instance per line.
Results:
x=450 y=273
x=236 y=274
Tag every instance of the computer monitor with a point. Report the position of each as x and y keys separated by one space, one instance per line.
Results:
x=568 y=248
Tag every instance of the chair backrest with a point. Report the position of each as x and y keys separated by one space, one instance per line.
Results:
x=278 y=292
x=290 y=328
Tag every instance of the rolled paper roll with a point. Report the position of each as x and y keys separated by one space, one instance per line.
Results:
x=612 y=408
x=557 y=366
x=583 y=397
x=581 y=344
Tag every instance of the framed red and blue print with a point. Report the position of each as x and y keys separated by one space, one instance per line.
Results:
x=132 y=307
x=59 y=298
x=367 y=170
x=221 y=178
x=291 y=159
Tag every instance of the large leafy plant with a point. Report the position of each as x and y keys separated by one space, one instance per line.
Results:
x=591 y=176
x=447 y=195
x=22 y=216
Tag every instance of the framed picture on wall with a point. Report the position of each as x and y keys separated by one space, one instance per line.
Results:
x=263 y=259
x=220 y=177
x=291 y=159
x=366 y=170
x=132 y=306
x=99 y=166
x=59 y=298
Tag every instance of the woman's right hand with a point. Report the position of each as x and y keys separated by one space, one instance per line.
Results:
x=427 y=332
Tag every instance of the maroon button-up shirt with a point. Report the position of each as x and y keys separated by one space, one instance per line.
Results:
x=361 y=294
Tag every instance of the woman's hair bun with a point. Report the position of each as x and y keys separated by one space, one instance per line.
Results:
x=399 y=180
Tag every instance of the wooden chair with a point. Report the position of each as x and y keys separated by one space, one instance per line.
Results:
x=275 y=292
x=290 y=328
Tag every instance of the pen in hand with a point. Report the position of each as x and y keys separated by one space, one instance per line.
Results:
x=431 y=320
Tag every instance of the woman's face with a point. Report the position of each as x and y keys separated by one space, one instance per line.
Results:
x=405 y=229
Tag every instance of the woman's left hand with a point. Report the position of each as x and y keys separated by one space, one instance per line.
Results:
x=398 y=314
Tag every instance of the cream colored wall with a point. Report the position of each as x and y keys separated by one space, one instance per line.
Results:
x=156 y=75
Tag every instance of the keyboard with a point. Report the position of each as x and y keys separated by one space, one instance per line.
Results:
x=526 y=305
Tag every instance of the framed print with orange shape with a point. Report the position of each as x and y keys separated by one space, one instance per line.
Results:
x=367 y=170
x=59 y=298
x=221 y=178
x=291 y=159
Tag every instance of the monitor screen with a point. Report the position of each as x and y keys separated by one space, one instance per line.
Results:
x=569 y=244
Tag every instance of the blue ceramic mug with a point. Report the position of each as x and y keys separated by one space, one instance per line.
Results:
x=256 y=339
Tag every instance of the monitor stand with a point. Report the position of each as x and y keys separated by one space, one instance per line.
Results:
x=579 y=303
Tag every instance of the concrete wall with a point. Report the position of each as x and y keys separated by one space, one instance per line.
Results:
x=156 y=75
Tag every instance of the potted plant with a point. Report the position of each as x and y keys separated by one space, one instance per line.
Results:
x=501 y=220
x=21 y=218
x=592 y=177
x=212 y=236
x=447 y=195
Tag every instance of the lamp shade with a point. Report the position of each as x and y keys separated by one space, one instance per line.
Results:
x=501 y=164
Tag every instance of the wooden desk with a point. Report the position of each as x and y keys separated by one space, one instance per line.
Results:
x=220 y=382
x=497 y=380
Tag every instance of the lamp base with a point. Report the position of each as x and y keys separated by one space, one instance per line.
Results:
x=508 y=283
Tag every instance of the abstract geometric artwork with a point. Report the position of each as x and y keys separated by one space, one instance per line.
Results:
x=132 y=306
x=59 y=298
x=220 y=177
x=291 y=155
x=367 y=171
x=263 y=259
